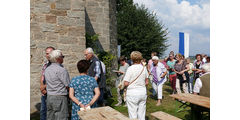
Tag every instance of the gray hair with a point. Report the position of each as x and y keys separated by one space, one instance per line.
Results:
x=206 y=67
x=155 y=58
x=54 y=55
x=90 y=50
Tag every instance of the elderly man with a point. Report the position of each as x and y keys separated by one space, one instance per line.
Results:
x=43 y=110
x=57 y=79
x=202 y=84
x=95 y=70
x=202 y=87
x=158 y=72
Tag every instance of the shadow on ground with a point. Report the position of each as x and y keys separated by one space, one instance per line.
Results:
x=169 y=90
x=35 y=116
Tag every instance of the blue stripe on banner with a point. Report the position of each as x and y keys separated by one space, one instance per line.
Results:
x=181 y=43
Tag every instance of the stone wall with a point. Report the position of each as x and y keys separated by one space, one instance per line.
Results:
x=63 y=24
x=100 y=18
x=113 y=32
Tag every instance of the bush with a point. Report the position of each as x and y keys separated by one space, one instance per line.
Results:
x=106 y=57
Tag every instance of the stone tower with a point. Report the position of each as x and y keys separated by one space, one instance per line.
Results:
x=63 y=25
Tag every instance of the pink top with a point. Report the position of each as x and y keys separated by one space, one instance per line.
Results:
x=150 y=63
x=165 y=64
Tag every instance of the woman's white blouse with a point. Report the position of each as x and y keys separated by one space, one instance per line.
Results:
x=138 y=86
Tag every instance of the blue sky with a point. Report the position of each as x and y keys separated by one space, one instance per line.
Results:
x=191 y=16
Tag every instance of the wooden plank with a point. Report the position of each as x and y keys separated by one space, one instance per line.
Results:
x=164 y=116
x=102 y=113
x=194 y=99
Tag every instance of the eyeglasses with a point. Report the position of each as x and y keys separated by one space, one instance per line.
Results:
x=86 y=54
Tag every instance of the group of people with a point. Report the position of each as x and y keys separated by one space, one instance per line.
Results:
x=85 y=90
x=136 y=73
x=183 y=73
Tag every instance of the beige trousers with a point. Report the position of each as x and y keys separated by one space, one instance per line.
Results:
x=185 y=87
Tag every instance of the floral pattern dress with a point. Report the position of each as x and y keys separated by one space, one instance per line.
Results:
x=83 y=86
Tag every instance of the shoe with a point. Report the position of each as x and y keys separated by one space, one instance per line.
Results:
x=158 y=104
x=118 y=104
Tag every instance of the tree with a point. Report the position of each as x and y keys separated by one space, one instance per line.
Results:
x=138 y=29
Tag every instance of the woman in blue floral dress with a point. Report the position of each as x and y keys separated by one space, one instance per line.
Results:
x=84 y=89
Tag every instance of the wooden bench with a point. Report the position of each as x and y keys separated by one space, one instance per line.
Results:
x=102 y=113
x=164 y=116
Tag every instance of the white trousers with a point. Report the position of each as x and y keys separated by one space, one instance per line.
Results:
x=158 y=89
x=136 y=106
x=185 y=87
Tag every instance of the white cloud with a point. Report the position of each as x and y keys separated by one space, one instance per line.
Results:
x=183 y=17
x=180 y=15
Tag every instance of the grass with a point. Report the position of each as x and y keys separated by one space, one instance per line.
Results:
x=168 y=105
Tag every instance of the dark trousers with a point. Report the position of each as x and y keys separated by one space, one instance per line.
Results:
x=180 y=77
x=43 y=109
x=100 y=99
x=99 y=102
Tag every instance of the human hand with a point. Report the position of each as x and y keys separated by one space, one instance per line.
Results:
x=44 y=92
x=181 y=72
x=146 y=84
x=87 y=105
x=42 y=87
x=82 y=106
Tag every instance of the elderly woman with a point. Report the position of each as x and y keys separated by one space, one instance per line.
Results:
x=136 y=80
x=84 y=90
x=197 y=66
x=180 y=67
x=159 y=72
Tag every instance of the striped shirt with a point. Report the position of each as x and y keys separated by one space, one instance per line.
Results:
x=97 y=69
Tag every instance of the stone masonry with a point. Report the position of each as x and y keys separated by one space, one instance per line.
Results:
x=63 y=25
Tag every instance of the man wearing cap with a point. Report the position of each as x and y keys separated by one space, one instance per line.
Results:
x=159 y=72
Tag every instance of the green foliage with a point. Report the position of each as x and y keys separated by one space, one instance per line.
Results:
x=106 y=57
x=138 y=29
x=91 y=41
x=168 y=105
